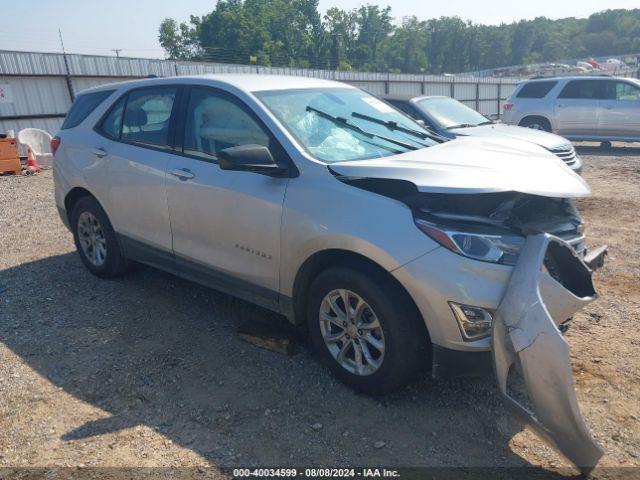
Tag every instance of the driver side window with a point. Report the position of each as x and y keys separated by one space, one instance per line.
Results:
x=215 y=121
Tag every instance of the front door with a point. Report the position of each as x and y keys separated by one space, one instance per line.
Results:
x=225 y=224
x=620 y=116
x=577 y=108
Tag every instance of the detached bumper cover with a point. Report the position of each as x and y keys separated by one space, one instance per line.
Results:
x=524 y=333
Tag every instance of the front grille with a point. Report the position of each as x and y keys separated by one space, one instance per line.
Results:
x=566 y=153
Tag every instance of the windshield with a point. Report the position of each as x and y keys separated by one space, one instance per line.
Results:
x=335 y=124
x=450 y=113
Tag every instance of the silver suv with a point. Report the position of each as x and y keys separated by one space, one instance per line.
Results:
x=319 y=201
x=450 y=118
x=594 y=108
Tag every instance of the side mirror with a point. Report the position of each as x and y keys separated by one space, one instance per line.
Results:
x=249 y=158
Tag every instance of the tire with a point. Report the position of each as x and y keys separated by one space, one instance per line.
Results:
x=402 y=330
x=537 y=123
x=91 y=225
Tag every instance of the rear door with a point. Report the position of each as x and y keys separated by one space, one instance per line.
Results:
x=226 y=224
x=578 y=106
x=620 y=116
x=137 y=135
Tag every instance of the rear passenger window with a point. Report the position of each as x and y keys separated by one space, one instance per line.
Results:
x=146 y=116
x=83 y=106
x=215 y=121
x=112 y=123
x=535 y=89
x=583 y=89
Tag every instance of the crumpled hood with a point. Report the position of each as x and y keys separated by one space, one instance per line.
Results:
x=539 y=137
x=474 y=165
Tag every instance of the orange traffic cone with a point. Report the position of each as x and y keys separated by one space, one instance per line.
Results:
x=31 y=161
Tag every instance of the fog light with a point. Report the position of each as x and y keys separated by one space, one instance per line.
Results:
x=474 y=322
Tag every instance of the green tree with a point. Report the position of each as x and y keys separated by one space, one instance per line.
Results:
x=293 y=33
x=180 y=41
x=406 y=49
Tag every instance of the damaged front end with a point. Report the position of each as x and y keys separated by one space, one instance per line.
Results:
x=525 y=336
x=541 y=237
x=493 y=226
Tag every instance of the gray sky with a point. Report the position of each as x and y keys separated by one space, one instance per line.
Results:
x=132 y=25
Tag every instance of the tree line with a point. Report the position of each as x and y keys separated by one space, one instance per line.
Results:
x=294 y=33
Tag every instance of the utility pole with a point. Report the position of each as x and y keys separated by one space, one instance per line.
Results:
x=336 y=51
x=61 y=41
x=66 y=66
x=117 y=50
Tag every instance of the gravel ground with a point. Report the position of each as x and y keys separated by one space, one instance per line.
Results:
x=147 y=370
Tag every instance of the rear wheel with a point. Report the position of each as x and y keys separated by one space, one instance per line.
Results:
x=366 y=329
x=537 y=123
x=96 y=240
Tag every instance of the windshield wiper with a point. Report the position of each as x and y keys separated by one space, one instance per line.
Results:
x=488 y=122
x=391 y=125
x=343 y=122
x=462 y=125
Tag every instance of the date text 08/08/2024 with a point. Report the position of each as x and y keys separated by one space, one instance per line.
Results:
x=315 y=473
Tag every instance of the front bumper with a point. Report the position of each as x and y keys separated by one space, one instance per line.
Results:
x=448 y=363
x=441 y=276
x=525 y=336
x=63 y=216
x=525 y=339
x=577 y=166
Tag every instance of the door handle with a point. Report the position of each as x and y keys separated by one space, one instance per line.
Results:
x=562 y=105
x=99 y=152
x=182 y=173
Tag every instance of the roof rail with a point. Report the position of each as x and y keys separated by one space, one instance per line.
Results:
x=581 y=75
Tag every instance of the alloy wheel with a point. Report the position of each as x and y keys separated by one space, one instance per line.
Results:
x=352 y=332
x=92 y=239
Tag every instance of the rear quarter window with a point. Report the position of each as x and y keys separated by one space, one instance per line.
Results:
x=535 y=89
x=83 y=106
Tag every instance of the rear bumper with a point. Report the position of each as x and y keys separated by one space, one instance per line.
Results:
x=63 y=216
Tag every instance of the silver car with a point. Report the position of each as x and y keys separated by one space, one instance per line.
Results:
x=319 y=201
x=594 y=108
x=452 y=119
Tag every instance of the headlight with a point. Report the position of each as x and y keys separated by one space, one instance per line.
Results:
x=487 y=246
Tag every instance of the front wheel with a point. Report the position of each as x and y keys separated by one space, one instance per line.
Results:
x=366 y=329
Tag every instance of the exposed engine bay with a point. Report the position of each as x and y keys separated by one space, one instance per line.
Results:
x=518 y=213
